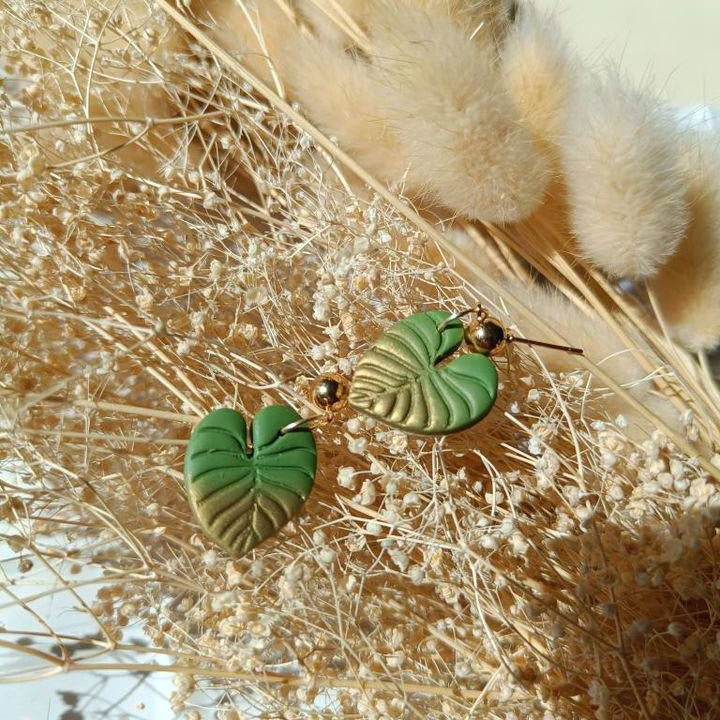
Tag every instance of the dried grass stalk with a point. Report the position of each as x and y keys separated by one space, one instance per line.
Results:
x=558 y=560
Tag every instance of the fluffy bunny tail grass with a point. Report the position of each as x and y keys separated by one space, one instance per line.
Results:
x=453 y=115
x=625 y=183
x=688 y=286
x=539 y=73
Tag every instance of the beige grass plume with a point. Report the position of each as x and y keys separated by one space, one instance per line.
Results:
x=688 y=285
x=539 y=71
x=446 y=100
x=625 y=184
x=425 y=104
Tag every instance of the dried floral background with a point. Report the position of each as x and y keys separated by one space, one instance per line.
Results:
x=207 y=204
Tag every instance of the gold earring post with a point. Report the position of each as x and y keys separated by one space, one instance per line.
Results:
x=483 y=319
x=552 y=346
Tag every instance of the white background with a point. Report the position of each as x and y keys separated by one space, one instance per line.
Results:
x=674 y=42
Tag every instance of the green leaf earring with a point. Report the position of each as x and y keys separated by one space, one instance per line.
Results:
x=398 y=380
x=243 y=491
x=242 y=495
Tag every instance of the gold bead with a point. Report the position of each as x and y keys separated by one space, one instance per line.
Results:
x=330 y=392
x=486 y=337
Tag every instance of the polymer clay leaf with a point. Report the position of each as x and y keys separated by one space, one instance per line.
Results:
x=397 y=380
x=242 y=496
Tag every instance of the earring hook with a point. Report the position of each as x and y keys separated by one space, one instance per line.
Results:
x=462 y=313
x=311 y=422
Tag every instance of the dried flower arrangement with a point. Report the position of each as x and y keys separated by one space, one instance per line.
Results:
x=205 y=206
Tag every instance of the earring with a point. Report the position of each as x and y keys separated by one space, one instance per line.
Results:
x=242 y=489
x=399 y=379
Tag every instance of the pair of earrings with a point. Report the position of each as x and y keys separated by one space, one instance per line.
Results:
x=243 y=492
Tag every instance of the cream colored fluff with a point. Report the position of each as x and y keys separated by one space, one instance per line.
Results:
x=454 y=118
x=688 y=286
x=539 y=72
x=625 y=185
x=440 y=122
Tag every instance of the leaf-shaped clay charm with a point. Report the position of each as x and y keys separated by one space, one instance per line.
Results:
x=239 y=495
x=397 y=380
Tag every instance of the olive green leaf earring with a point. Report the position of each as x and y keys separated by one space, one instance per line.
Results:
x=244 y=490
x=399 y=382
x=241 y=495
